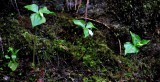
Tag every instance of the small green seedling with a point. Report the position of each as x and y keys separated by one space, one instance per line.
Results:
x=135 y=45
x=86 y=27
x=12 y=64
x=37 y=17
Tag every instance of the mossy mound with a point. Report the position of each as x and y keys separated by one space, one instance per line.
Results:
x=62 y=45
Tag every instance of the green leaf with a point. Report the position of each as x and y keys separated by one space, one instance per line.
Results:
x=32 y=7
x=27 y=36
x=79 y=23
x=130 y=48
x=7 y=57
x=135 y=38
x=37 y=19
x=90 y=25
x=142 y=43
x=10 y=49
x=13 y=65
x=13 y=56
x=46 y=11
x=16 y=52
x=86 y=32
x=33 y=65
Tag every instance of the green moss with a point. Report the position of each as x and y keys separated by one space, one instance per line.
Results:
x=61 y=37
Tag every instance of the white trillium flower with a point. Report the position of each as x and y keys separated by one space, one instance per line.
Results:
x=90 y=32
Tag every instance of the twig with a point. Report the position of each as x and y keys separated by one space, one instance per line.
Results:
x=75 y=4
x=79 y=5
x=96 y=21
x=86 y=11
x=120 y=47
x=15 y=6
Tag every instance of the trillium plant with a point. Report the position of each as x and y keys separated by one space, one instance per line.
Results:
x=37 y=17
x=137 y=42
x=12 y=64
x=87 y=27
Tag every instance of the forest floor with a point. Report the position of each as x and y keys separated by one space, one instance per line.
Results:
x=64 y=55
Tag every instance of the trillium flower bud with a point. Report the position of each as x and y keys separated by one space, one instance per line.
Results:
x=90 y=32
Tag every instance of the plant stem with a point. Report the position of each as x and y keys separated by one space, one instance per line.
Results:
x=34 y=47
